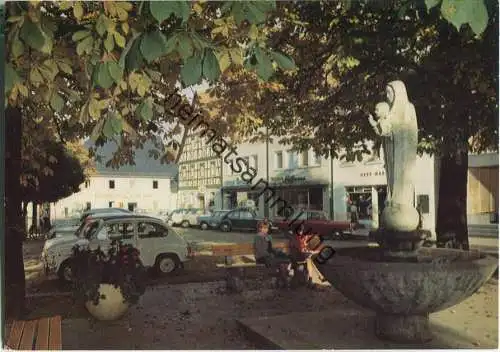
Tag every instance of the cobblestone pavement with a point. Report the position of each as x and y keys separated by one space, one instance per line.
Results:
x=192 y=316
x=203 y=316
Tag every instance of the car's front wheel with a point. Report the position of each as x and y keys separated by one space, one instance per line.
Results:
x=204 y=226
x=225 y=227
x=167 y=264
x=65 y=273
x=185 y=224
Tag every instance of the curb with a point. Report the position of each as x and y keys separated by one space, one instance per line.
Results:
x=259 y=340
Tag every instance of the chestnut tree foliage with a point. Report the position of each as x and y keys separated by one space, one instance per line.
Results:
x=445 y=51
x=99 y=69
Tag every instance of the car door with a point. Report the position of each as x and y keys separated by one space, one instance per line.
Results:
x=120 y=230
x=248 y=220
x=234 y=218
x=318 y=222
x=153 y=241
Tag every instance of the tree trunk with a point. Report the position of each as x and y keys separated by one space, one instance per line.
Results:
x=15 y=229
x=451 y=227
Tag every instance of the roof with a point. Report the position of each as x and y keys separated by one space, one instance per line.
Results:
x=145 y=165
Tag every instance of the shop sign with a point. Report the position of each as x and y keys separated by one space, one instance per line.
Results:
x=288 y=179
x=369 y=174
x=235 y=183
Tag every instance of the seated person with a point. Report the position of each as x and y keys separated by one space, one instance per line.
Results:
x=264 y=251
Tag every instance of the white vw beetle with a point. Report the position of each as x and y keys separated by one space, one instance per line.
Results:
x=160 y=246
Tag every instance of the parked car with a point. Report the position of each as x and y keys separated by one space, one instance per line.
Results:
x=191 y=217
x=103 y=210
x=73 y=225
x=185 y=217
x=241 y=219
x=62 y=227
x=315 y=221
x=160 y=246
x=176 y=217
x=211 y=220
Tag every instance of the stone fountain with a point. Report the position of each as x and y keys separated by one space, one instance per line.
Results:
x=400 y=280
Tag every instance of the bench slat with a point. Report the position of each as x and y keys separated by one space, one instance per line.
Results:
x=55 y=339
x=16 y=332
x=28 y=335
x=42 y=336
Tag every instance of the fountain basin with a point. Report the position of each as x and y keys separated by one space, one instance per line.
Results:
x=404 y=293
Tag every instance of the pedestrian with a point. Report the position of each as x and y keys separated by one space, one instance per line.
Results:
x=269 y=256
x=354 y=216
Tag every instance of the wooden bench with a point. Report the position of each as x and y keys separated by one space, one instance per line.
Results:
x=235 y=268
x=39 y=334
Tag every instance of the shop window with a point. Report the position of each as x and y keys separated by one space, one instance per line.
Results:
x=317 y=159
x=423 y=203
x=304 y=158
x=293 y=161
x=278 y=160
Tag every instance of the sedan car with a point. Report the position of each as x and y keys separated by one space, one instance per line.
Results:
x=241 y=219
x=211 y=220
x=314 y=221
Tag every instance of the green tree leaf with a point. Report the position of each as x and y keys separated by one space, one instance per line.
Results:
x=56 y=102
x=431 y=3
x=191 y=70
x=119 y=39
x=103 y=78
x=211 y=69
x=254 y=13
x=185 y=46
x=126 y=50
x=134 y=58
x=455 y=12
x=285 y=62
x=109 y=42
x=144 y=111
x=153 y=45
x=77 y=36
x=17 y=48
x=101 y=25
x=171 y=44
x=478 y=16
x=11 y=77
x=264 y=64
x=32 y=34
x=115 y=71
x=184 y=10
x=85 y=46
x=161 y=10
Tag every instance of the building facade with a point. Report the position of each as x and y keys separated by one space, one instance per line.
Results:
x=482 y=189
x=145 y=186
x=200 y=175
x=305 y=180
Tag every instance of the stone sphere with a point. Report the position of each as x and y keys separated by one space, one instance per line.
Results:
x=400 y=218
x=111 y=306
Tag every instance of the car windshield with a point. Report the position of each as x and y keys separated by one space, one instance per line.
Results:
x=66 y=222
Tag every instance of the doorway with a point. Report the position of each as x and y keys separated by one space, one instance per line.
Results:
x=132 y=206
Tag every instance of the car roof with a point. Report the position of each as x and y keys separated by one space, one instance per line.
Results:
x=110 y=216
x=106 y=210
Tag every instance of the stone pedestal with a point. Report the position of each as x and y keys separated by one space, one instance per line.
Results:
x=403 y=328
x=404 y=292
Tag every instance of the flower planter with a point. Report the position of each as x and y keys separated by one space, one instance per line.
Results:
x=111 y=304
